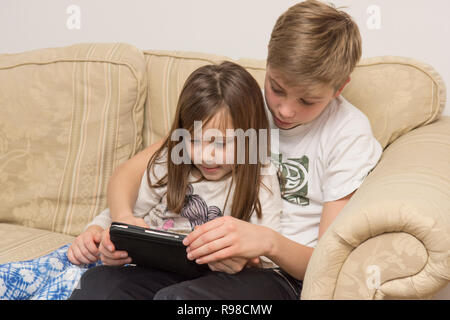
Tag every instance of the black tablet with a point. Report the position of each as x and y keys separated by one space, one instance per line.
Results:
x=155 y=249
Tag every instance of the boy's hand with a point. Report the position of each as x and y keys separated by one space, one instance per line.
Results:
x=108 y=253
x=84 y=249
x=227 y=237
x=233 y=265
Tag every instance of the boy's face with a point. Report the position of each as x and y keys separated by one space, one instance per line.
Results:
x=293 y=106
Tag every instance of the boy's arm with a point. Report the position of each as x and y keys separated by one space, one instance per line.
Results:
x=294 y=257
x=330 y=211
x=123 y=186
x=289 y=255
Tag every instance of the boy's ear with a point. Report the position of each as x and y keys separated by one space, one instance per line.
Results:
x=342 y=88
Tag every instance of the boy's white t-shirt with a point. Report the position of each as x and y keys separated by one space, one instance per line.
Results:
x=321 y=161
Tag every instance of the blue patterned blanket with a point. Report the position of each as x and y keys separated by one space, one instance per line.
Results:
x=51 y=277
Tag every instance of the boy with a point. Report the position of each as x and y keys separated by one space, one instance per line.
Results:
x=326 y=148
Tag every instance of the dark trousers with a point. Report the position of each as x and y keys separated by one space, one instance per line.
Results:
x=124 y=283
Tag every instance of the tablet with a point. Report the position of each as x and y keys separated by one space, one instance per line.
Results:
x=155 y=249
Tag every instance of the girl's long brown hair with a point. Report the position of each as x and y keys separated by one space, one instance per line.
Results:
x=206 y=92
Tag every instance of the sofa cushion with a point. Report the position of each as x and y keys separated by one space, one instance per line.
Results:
x=397 y=94
x=69 y=116
x=22 y=243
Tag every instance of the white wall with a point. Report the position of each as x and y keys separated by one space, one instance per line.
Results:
x=235 y=28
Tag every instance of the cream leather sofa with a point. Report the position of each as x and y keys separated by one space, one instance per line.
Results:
x=70 y=115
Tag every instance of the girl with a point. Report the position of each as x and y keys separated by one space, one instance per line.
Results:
x=190 y=182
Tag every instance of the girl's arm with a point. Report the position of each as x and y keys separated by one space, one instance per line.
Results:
x=122 y=193
x=123 y=186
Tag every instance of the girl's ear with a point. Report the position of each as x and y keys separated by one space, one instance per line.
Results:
x=342 y=88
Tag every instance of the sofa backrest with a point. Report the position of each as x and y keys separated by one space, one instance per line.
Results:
x=68 y=117
x=166 y=73
x=397 y=94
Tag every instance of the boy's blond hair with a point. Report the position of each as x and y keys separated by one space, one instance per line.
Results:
x=312 y=43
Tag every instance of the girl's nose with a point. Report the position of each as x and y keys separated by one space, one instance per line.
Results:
x=209 y=155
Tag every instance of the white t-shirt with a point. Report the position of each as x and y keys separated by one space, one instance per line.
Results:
x=205 y=200
x=323 y=160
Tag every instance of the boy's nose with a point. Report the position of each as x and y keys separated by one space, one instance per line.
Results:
x=286 y=111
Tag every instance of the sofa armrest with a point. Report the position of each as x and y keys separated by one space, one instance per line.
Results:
x=392 y=239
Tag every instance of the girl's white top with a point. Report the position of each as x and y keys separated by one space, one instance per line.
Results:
x=205 y=200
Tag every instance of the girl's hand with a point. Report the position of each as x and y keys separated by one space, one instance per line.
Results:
x=227 y=237
x=232 y=265
x=134 y=221
x=108 y=252
x=84 y=248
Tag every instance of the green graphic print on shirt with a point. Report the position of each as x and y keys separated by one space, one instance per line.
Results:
x=294 y=178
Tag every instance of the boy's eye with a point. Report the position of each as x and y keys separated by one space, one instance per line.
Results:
x=276 y=91
x=306 y=103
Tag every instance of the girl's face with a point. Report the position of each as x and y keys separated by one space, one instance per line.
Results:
x=210 y=150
